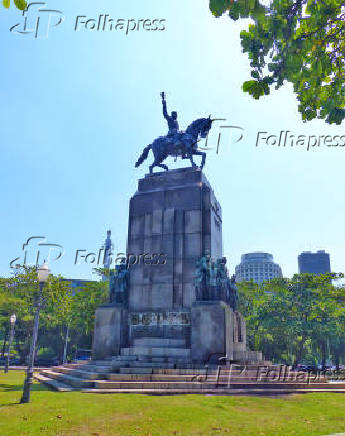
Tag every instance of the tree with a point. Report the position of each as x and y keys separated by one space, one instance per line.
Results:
x=298 y=41
x=81 y=317
x=75 y=311
x=20 y=4
x=38 y=289
x=294 y=319
x=18 y=294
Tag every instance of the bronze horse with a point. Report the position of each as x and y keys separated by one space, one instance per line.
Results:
x=183 y=144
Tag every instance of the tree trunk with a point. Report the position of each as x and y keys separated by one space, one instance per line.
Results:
x=299 y=353
x=324 y=354
x=30 y=370
x=337 y=359
x=4 y=344
x=64 y=358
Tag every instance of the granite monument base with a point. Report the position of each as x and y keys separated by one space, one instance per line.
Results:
x=212 y=331
x=174 y=221
x=110 y=332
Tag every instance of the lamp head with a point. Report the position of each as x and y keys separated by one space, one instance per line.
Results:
x=13 y=319
x=43 y=273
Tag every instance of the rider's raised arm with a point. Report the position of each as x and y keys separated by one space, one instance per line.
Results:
x=165 y=112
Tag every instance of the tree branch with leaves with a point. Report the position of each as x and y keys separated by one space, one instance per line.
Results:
x=301 y=42
x=20 y=4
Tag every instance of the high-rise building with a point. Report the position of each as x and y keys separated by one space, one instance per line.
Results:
x=314 y=263
x=258 y=267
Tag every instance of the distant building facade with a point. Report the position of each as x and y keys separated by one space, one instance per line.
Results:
x=258 y=267
x=77 y=284
x=314 y=263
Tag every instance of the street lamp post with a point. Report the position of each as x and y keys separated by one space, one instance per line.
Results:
x=12 y=322
x=64 y=358
x=42 y=274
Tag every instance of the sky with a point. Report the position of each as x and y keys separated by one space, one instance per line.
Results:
x=78 y=107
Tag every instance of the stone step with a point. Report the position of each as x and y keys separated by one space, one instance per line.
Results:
x=102 y=384
x=134 y=376
x=168 y=371
x=150 y=377
x=138 y=364
x=98 y=369
x=254 y=365
x=179 y=371
x=55 y=384
x=169 y=374
x=155 y=371
x=167 y=385
x=120 y=358
x=146 y=380
x=270 y=392
x=75 y=365
x=117 y=365
x=154 y=359
x=156 y=352
x=76 y=382
x=159 y=342
x=88 y=375
x=105 y=362
x=150 y=359
x=136 y=370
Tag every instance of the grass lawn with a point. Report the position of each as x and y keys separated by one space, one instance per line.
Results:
x=74 y=413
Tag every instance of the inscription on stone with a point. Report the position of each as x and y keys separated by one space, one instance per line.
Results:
x=159 y=318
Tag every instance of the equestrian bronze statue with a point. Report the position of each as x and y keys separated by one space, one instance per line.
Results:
x=176 y=143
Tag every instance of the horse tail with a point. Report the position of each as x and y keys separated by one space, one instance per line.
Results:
x=143 y=155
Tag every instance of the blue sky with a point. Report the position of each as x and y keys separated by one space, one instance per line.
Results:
x=77 y=108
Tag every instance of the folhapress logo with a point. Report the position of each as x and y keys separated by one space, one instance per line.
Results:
x=38 y=20
x=36 y=251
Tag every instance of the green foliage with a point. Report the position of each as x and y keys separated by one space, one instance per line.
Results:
x=18 y=294
x=295 y=319
x=256 y=88
x=61 y=309
x=237 y=9
x=298 y=41
x=20 y=4
x=84 y=305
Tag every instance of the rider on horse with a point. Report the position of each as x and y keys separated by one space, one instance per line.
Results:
x=175 y=143
x=174 y=133
x=171 y=119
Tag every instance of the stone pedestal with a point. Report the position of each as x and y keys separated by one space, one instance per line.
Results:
x=212 y=332
x=176 y=216
x=111 y=331
x=240 y=339
x=174 y=220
